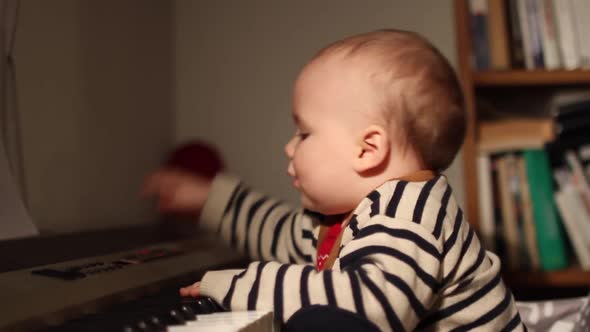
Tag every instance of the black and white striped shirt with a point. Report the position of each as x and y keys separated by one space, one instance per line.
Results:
x=408 y=260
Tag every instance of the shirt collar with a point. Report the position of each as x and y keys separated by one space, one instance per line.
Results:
x=420 y=176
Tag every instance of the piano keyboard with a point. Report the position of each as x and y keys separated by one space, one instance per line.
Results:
x=167 y=311
x=243 y=321
x=101 y=293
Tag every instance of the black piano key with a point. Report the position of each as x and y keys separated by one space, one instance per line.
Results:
x=202 y=305
x=187 y=312
x=173 y=317
x=145 y=320
x=151 y=313
x=145 y=326
x=156 y=323
x=215 y=307
x=199 y=305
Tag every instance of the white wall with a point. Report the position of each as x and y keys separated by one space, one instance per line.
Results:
x=95 y=91
x=236 y=62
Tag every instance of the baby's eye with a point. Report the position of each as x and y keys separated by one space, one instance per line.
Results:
x=302 y=136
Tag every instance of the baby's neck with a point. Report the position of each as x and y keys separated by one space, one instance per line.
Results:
x=402 y=167
x=398 y=168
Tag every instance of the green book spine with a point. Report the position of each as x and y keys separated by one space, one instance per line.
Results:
x=550 y=237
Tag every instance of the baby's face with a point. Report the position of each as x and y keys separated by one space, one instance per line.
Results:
x=326 y=103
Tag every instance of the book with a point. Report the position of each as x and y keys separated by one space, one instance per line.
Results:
x=573 y=125
x=498 y=35
x=563 y=103
x=515 y=35
x=525 y=28
x=486 y=201
x=527 y=217
x=478 y=11
x=516 y=195
x=515 y=134
x=537 y=49
x=584 y=154
x=574 y=214
x=581 y=10
x=567 y=33
x=512 y=241
x=558 y=149
x=569 y=186
x=578 y=177
x=550 y=237
x=499 y=242
x=570 y=111
x=546 y=18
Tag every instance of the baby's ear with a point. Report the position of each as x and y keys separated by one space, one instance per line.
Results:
x=372 y=149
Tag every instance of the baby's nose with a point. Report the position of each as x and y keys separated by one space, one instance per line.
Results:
x=291 y=170
x=290 y=147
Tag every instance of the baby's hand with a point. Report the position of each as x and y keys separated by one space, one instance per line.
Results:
x=177 y=191
x=192 y=290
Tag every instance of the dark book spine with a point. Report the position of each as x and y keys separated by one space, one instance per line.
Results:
x=500 y=243
x=579 y=108
x=515 y=36
x=535 y=32
x=479 y=34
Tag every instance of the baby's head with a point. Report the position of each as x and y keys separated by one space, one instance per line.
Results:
x=370 y=108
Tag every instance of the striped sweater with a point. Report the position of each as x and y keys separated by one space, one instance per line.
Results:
x=408 y=260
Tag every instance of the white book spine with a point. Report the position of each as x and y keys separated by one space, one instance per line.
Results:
x=581 y=10
x=523 y=19
x=570 y=215
x=567 y=35
x=581 y=212
x=548 y=34
x=578 y=177
x=578 y=204
x=486 y=201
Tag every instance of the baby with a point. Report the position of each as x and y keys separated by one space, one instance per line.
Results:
x=379 y=116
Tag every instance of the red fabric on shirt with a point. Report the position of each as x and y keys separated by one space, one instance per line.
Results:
x=327 y=244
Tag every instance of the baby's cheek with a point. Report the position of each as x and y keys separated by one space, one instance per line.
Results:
x=301 y=164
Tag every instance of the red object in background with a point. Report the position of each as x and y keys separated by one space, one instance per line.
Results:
x=197 y=157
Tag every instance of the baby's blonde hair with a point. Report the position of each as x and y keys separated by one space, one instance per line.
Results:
x=417 y=89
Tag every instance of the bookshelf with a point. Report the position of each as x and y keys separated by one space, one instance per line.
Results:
x=570 y=277
x=530 y=78
x=490 y=82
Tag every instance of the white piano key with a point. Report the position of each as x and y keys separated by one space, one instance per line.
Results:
x=227 y=321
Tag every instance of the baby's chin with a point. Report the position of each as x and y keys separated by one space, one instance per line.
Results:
x=308 y=204
x=323 y=209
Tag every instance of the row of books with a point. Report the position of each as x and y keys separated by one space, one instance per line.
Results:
x=534 y=189
x=530 y=34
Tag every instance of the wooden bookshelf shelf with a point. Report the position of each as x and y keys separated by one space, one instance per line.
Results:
x=571 y=277
x=530 y=77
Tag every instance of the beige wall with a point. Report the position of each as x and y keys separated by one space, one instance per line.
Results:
x=95 y=90
x=100 y=80
x=236 y=61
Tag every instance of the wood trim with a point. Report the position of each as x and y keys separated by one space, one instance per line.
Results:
x=463 y=40
x=531 y=77
x=571 y=277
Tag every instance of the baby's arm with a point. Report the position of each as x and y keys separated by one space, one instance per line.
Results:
x=262 y=227
x=388 y=275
